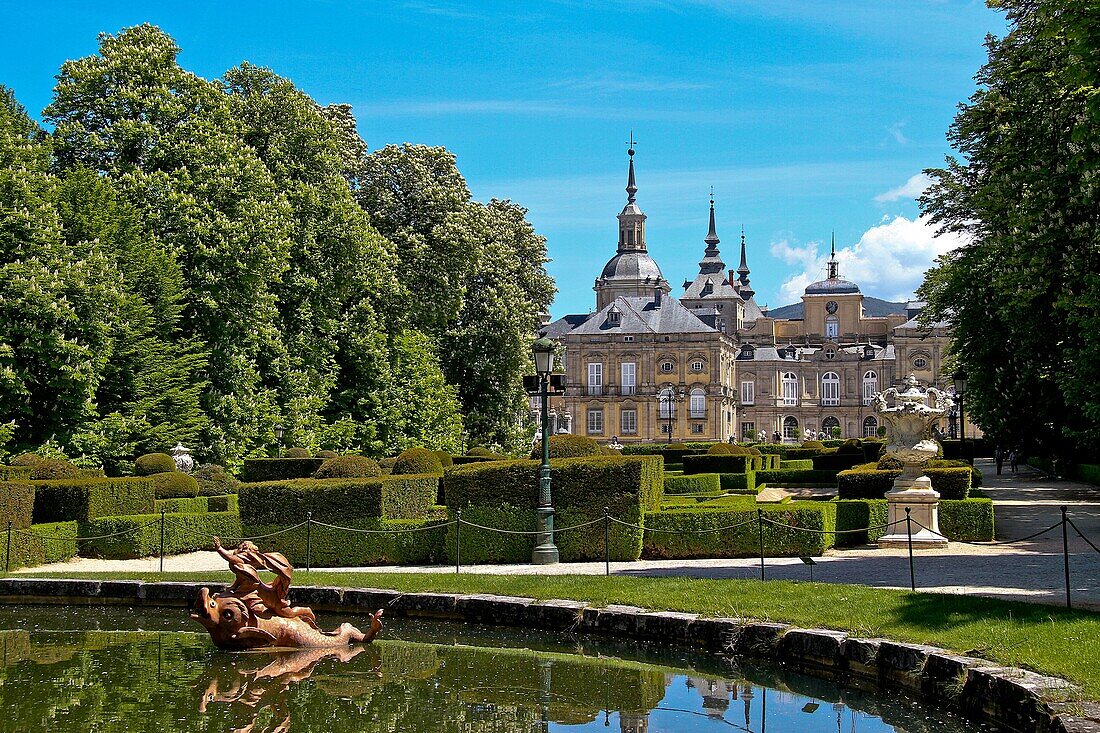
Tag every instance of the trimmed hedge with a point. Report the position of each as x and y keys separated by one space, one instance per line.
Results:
x=969 y=519
x=463 y=460
x=297 y=453
x=417 y=461
x=837 y=461
x=14 y=473
x=719 y=463
x=744 y=540
x=693 y=484
x=257 y=470
x=798 y=464
x=335 y=548
x=1087 y=472
x=88 y=498
x=41 y=544
x=796 y=477
x=182 y=505
x=49 y=469
x=787 y=452
x=16 y=504
x=860 y=514
x=154 y=463
x=348 y=467
x=568 y=446
x=175 y=485
x=182 y=533
x=222 y=503
x=740 y=483
x=338 y=501
x=214 y=480
x=870 y=483
x=872 y=449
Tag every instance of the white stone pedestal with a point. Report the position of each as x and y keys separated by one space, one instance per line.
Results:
x=923 y=504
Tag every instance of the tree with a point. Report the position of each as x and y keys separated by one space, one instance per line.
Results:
x=1024 y=293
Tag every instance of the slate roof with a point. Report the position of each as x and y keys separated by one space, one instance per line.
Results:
x=720 y=288
x=562 y=326
x=872 y=308
x=640 y=315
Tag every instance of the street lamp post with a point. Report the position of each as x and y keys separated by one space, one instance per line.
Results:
x=671 y=400
x=279 y=429
x=546 y=552
x=959 y=378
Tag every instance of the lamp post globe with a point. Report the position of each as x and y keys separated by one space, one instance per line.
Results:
x=279 y=430
x=959 y=378
x=545 y=552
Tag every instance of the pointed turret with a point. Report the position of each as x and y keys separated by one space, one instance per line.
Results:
x=631 y=185
x=631 y=219
x=712 y=239
x=744 y=287
x=712 y=259
x=833 y=266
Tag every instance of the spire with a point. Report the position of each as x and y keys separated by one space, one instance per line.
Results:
x=743 y=268
x=631 y=186
x=833 y=271
x=712 y=235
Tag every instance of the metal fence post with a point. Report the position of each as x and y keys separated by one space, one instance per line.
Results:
x=162 y=540
x=606 y=541
x=909 y=536
x=760 y=531
x=1065 y=555
x=309 y=541
x=7 y=556
x=458 y=540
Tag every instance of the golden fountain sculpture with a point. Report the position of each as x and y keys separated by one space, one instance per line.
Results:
x=252 y=614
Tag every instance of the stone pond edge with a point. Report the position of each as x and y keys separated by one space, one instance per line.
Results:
x=1014 y=698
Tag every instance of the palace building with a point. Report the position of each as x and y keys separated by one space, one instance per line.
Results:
x=714 y=365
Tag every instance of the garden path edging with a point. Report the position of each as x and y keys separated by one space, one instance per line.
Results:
x=1015 y=698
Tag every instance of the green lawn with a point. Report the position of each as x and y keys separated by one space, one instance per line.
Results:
x=1043 y=638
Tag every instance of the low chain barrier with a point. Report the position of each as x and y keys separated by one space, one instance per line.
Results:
x=760 y=520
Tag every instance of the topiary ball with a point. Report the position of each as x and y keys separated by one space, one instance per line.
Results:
x=479 y=451
x=25 y=459
x=851 y=445
x=348 y=467
x=677 y=446
x=214 y=481
x=417 y=461
x=46 y=469
x=889 y=463
x=175 y=485
x=817 y=444
x=719 y=449
x=327 y=454
x=569 y=446
x=444 y=458
x=154 y=463
x=296 y=453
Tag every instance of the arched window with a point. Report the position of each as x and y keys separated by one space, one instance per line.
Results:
x=830 y=389
x=870 y=386
x=790 y=388
x=831 y=427
x=665 y=403
x=870 y=427
x=698 y=404
x=790 y=428
x=832 y=327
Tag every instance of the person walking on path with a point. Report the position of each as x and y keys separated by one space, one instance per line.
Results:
x=1012 y=458
x=999 y=457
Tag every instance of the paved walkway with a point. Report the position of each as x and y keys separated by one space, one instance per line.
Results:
x=1025 y=503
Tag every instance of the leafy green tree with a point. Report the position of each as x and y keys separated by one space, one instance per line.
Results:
x=1024 y=293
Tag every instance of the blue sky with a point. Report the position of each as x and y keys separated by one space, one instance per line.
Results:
x=807 y=116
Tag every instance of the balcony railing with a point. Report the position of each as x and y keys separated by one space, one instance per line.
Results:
x=627 y=390
x=697 y=414
x=594 y=390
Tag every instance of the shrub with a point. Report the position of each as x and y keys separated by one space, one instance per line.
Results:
x=796 y=477
x=463 y=460
x=338 y=501
x=25 y=459
x=41 y=544
x=214 y=481
x=815 y=444
x=787 y=452
x=174 y=485
x=721 y=463
x=1087 y=472
x=742 y=541
x=14 y=473
x=862 y=482
x=694 y=484
x=16 y=505
x=278 y=469
x=837 y=461
x=970 y=520
x=445 y=458
x=568 y=446
x=740 y=483
x=152 y=463
x=224 y=503
x=975 y=474
x=141 y=534
x=872 y=449
x=88 y=498
x=720 y=449
x=297 y=453
x=333 y=548
x=675 y=452
x=479 y=451
x=890 y=463
x=348 y=467
x=851 y=445
x=417 y=461
x=326 y=454
x=801 y=464
x=385 y=463
x=860 y=514
x=52 y=468
x=183 y=505
x=951 y=483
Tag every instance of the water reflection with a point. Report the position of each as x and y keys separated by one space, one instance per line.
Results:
x=436 y=677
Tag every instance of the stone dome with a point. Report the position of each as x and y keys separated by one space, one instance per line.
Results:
x=631 y=266
x=832 y=286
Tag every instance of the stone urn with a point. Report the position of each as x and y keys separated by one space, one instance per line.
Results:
x=182 y=457
x=909 y=422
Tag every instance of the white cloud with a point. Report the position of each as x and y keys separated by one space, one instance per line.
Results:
x=793 y=254
x=911 y=189
x=895 y=131
x=888 y=261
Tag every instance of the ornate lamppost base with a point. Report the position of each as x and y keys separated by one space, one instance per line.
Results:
x=546 y=552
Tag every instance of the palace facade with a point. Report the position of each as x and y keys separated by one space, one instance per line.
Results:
x=713 y=365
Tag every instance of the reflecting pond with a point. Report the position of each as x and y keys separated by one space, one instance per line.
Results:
x=113 y=669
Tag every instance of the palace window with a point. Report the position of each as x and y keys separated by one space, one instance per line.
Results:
x=830 y=353
x=698 y=404
x=696 y=366
x=790 y=388
x=748 y=431
x=628 y=422
x=697 y=428
x=667 y=367
x=790 y=428
x=748 y=393
x=595 y=421
x=832 y=327
x=920 y=362
x=595 y=378
x=628 y=377
x=665 y=404
x=628 y=339
x=828 y=425
x=870 y=427
x=830 y=389
x=870 y=386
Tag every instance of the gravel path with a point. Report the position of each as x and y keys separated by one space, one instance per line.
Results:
x=1025 y=503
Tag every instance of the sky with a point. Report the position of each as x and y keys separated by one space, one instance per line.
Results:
x=807 y=117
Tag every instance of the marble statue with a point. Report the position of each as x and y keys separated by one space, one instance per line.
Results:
x=252 y=614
